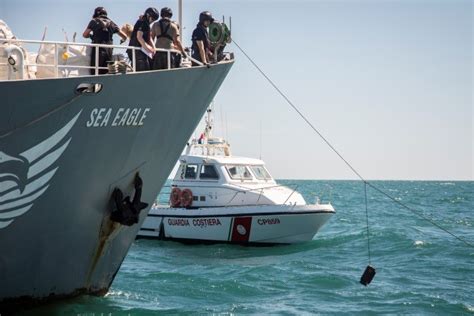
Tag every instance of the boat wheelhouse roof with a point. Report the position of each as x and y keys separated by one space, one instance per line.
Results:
x=222 y=160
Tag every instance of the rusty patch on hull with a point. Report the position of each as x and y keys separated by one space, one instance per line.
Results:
x=108 y=231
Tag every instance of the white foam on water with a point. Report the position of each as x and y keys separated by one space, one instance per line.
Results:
x=419 y=243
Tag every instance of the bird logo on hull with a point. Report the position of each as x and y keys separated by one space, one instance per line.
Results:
x=25 y=177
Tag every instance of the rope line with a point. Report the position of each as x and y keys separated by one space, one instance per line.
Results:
x=416 y=212
x=367 y=218
x=40 y=118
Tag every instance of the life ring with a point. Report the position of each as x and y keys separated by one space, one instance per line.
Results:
x=175 y=197
x=186 y=198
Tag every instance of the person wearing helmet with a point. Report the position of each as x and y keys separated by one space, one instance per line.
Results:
x=101 y=29
x=166 y=33
x=201 y=45
x=141 y=37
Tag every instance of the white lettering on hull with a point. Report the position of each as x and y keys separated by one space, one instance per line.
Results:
x=104 y=117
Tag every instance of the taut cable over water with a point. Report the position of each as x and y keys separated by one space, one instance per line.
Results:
x=366 y=182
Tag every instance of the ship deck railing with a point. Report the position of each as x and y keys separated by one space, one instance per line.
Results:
x=25 y=65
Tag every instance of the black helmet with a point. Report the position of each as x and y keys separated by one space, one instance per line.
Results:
x=99 y=11
x=205 y=16
x=166 y=12
x=152 y=13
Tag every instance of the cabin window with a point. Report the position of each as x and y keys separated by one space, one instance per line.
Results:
x=208 y=172
x=190 y=171
x=239 y=172
x=261 y=173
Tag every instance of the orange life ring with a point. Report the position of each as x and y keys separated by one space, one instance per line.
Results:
x=186 y=198
x=175 y=197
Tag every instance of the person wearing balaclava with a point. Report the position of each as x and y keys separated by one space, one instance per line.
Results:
x=141 y=37
x=201 y=45
x=101 y=30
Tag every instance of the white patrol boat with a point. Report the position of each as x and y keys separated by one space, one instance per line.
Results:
x=217 y=197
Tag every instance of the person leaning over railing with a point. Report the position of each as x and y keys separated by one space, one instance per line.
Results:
x=101 y=29
x=166 y=33
x=141 y=37
x=201 y=45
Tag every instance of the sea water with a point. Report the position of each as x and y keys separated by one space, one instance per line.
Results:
x=420 y=268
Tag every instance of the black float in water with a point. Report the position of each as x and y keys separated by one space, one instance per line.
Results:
x=368 y=275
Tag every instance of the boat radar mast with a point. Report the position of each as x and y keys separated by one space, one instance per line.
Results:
x=206 y=144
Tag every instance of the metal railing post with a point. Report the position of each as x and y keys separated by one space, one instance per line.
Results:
x=260 y=195
x=134 y=60
x=96 y=60
x=56 y=61
x=232 y=199
x=168 y=55
x=296 y=187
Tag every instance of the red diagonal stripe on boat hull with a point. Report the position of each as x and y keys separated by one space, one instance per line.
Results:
x=241 y=229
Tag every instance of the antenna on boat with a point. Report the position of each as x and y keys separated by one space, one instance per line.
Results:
x=65 y=35
x=209 y=122
x=260 y=139
x=44 y=33
x=222 y=122
x=226 y=129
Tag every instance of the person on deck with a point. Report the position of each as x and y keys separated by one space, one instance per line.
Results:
x=101 y=29
x=167 y=37
x=141 y=37
x=201 y=45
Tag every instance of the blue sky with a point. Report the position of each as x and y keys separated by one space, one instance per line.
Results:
x=388 y=82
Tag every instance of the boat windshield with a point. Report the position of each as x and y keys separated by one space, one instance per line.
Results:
x=239 y=172
x=208 y=172
x=190 y=171
x=261 y=173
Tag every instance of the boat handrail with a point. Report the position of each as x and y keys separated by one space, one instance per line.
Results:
x=294 y=190
x=237 y=192
x=208 y=149
x=261 y=189
x=58 y=44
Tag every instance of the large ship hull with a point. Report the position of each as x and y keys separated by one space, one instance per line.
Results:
x=63 y=156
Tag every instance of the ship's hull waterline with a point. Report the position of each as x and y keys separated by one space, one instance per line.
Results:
x=62 y=161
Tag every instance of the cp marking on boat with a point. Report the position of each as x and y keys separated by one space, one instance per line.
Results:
x=203 y=222
x=268 y=221
x=101 y=117
x=178 y=222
